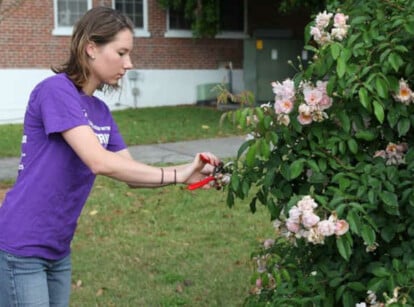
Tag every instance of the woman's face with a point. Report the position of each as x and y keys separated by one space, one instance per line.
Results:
x=109 y=62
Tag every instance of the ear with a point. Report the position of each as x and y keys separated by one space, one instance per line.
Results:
x=91 y=49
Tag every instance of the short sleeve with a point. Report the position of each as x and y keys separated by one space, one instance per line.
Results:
x=116 y=141
x=60 y=105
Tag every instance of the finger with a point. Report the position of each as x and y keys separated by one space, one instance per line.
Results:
x=208 y=157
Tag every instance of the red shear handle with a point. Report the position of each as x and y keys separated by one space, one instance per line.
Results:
x=204 y=158
x=197 y=185
x=201 y=183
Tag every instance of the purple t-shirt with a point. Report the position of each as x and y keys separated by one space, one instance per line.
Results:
x=39 y=214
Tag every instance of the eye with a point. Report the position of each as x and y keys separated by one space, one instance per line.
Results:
x=122 y=52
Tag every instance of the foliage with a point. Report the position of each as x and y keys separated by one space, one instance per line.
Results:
x=312 y=5
x=203 y=15
x=344 y=140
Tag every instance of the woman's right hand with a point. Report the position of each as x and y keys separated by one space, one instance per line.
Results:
x=202 y=167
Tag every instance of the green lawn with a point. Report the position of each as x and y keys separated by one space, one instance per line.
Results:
x=163 y=247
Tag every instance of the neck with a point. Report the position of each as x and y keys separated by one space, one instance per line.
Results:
x=88 y=89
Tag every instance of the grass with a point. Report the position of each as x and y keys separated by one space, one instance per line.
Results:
x=161 y=247
x=11 y=135
x=146 y=126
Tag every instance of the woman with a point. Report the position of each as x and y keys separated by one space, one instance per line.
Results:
x=69 y=138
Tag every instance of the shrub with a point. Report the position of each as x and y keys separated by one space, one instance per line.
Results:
x=332 y=158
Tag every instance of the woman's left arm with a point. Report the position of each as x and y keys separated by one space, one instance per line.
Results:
x=205 y=172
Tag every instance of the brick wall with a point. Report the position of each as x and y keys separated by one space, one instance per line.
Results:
x=26 y=41
x=25 y=36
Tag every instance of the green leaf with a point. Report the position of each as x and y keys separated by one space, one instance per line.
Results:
x=366 y=135
x=345 y=121
x=380 y=271
x=353 y=146
x=259 y=113
x=393 y=117
x=335 y=282
x=230 y=199
x=395 y=60
x=376 y=284
x=296 y=168
x=234 y=182
x=251 y=154
x=409 y=27
x=381 y=86
x=354 y=221
x=388 y=233
x=313 y=165
x=341 y=67
x=379 y=111
x=363 y=97
x=346 y=54
x=341 y=147
x=335 y=50
x=264 y=149
x=243 y=147
x=390 y=201
x=344 y=245
x=403 y=126
x=368 y=234
x=357 y=286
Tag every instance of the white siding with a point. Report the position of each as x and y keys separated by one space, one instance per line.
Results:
x=155 y=87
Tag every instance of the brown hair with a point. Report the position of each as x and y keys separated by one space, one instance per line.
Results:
x=99 y=25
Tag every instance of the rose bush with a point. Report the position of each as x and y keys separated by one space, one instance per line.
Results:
x=332 y=158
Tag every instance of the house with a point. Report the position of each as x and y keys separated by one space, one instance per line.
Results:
x=170 y=66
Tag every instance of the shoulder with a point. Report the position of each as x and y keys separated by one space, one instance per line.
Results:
x=99 y=102
x=57 y=81
x=56 y=87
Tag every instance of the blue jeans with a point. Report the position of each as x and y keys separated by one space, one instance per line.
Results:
x=29 y=281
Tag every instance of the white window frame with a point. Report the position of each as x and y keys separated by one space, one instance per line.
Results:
x=223 y=34
x=63 y=31
x=141 y=32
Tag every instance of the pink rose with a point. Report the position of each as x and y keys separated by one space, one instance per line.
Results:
x=304 y=119
x=268 y=243
x=340 y=20
x=312 y=96
x=341 y=227
x=292 y=226
x=283 y=106
x=309 y=219
x=294 y=214
x=326 y=228
x=307 y=203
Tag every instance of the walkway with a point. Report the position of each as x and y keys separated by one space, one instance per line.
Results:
x=179 y=152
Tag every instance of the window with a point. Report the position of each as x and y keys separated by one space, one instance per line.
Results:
x=232 y=21
x=177 y=20
x=67 y=12
x=232 y=15
x=136 y=10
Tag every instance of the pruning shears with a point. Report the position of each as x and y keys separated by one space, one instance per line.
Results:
x=221 y=176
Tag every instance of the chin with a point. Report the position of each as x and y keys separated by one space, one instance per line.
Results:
x=111 y=86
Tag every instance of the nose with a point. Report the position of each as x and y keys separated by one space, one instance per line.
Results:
x=128 y=63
